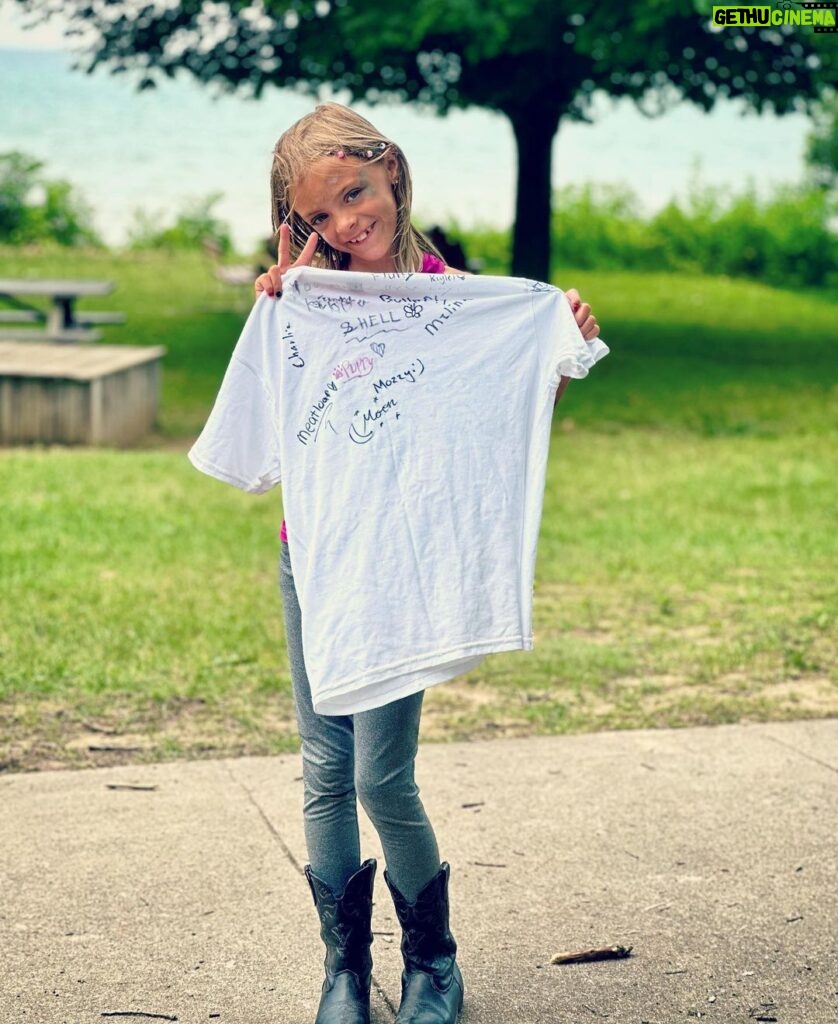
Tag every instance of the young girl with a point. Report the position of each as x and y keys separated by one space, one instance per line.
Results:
x=341 y=199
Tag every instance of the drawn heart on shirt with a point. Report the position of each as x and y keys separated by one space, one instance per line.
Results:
x=378 y=347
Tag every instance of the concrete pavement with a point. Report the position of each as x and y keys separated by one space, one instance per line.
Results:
x=711 y=851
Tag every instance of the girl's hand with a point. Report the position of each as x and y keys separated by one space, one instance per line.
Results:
x=582 y=311
x=271 y=282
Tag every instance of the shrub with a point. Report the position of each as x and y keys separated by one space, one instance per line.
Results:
x=194 y=228
x=599 y=226
x=787 y=239
x=36 y=209
x=487 y=248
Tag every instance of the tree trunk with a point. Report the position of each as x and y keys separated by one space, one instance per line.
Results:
x=534 y=131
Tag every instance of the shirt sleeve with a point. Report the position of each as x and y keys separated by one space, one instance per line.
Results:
x=240 y=441
x=564 y=350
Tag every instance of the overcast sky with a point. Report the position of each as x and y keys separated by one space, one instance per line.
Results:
x=13 y=34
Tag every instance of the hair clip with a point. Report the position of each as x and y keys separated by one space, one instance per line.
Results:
x=359 y=152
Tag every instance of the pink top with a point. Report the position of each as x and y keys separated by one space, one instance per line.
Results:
x=430 y=265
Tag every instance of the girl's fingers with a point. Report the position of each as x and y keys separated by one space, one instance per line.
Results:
x=270 y=282
x=307 y=255
x=582 y=313
x=590 y=329
x=264 y=284
x=275 y=274
x=283 y=255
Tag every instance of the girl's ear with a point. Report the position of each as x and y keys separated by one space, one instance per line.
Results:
x=392 y=165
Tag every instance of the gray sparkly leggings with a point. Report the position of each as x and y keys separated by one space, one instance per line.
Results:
x=367 y=756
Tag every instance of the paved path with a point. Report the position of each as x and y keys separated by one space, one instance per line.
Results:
x=711 y=851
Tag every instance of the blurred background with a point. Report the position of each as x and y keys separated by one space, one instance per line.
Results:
x=136 y=160
x=681 y=175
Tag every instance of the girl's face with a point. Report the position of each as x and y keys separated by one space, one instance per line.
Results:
x=350 y=203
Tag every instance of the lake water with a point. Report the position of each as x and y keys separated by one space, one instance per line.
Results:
x=157 y=149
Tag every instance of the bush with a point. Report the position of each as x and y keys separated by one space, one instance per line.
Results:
x=487 y=248
x=784 y=240
x=597 y=226
x=37 y=209
x=194 y=228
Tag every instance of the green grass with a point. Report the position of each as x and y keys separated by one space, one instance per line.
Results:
x=686 y=564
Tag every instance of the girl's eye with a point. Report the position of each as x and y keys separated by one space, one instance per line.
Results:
x=318 y=219
x=353 y=193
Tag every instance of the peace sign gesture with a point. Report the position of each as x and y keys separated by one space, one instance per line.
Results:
x=271 y=281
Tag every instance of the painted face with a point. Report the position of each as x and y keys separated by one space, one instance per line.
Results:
x=350 y=203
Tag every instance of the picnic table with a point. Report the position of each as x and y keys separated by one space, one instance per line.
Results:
x=62 y=322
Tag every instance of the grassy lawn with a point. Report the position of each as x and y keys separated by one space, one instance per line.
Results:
x=686 y=567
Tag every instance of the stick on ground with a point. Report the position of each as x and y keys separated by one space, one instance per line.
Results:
x=138 y=1013
x=587 y=955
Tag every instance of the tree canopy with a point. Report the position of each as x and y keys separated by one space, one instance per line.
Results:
x=535 y=61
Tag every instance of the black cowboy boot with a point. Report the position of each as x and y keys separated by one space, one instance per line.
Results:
x=345 y=928
x=432 y=985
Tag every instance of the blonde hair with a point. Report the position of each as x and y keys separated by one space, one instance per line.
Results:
x=331 y=128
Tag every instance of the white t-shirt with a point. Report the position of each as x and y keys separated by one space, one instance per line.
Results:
x=408 y=418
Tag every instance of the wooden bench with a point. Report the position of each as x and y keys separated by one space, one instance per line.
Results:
x=68 y=334
x=21 y=316
x=61 y=322
x=99 y=318
x=35 y=316
x=77 y=394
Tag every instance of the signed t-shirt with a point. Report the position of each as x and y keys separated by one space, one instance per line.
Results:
x=430 y=265
x=408 y=418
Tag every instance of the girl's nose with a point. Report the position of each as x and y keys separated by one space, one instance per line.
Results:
x=348 y=225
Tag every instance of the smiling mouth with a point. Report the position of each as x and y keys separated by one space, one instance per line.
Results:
x=363 y=236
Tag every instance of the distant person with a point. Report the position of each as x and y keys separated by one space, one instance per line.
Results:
x=450 y=249
x=341 y=196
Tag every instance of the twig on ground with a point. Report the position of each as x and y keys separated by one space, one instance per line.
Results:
x=127 y=785
x=587 y=955
x=138 y=1013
